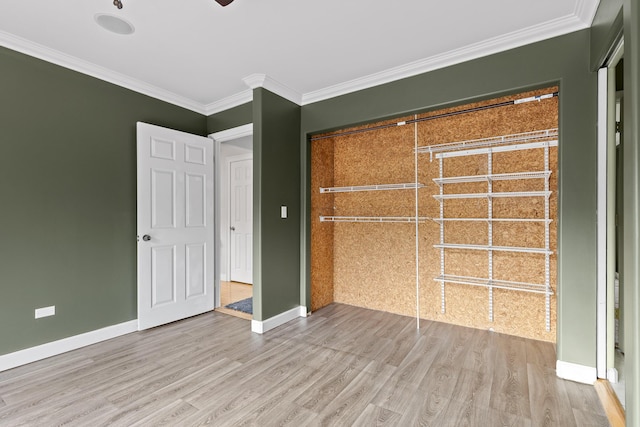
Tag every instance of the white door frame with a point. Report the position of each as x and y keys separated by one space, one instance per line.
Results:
x=218 y=138
x=605 y=251
x=228 y=161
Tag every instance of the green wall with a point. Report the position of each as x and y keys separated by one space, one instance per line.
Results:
x=68 y=198
x=276 y=183
x=605 y=30
x=231 y=118
x=563 y=60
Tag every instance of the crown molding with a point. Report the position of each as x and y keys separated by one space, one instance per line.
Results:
x=53 y=56
x=491 y=46
x=266 y=82
x=229 y=102
x=582 y=17
x=586 y=10
x=233 y=133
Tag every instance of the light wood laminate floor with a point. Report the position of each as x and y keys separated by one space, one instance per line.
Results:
x=342 y=366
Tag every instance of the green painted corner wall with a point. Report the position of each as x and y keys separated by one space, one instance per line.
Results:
x=231 y=118
x=68 y=198
x=606 y=28
x=564 y=61
x=276 y=160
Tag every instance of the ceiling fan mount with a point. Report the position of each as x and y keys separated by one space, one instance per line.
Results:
x=118 y=3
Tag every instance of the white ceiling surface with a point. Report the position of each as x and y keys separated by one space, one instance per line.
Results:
x=195 y=53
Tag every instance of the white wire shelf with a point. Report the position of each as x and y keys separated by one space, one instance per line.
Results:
x=492 y=195
x=353 y=188
x=440 y=220
x=541 y=135
x=378 y=219
x=494 y=248
x=501 y=284
x=493 y=177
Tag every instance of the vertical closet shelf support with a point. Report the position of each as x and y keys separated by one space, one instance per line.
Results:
x=442 y=308
x=490 y=230
x=547 y=244
x=417 y=229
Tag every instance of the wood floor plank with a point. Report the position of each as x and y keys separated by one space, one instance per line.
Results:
x=473 y=386
x=589 y=419
x=461 y=413
x=510 y=387
x=285 y=414
x=584 y=398
x=342 y=365
x=326 y=389
x=395 y=395
x=354 y=398
x=400 y=344
x=545 y=397
x=426 y=409
x=170 y=415
x=376 y=416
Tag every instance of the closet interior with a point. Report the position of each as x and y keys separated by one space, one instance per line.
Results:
x=448 y=215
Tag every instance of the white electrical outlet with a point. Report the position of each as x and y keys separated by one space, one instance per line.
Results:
x=45 y=311
x=283 y=211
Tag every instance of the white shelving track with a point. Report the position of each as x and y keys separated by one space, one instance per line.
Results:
x=502 y=284
x=488 y=146
x=493 y=177
x=494 y=142
x=492 y=195
x=377 y=187
x=438 y=220
x=405 y=219
x=494 y=248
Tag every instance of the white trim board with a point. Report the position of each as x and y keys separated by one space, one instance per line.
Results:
x=33 y=354
x=264 y=81
x=229 y=102
x=574 y=372
x=233 y=133
x=262 y=326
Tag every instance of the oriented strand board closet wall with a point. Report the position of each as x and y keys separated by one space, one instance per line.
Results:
x=373 y=264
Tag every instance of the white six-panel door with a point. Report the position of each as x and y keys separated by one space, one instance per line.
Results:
x=241 y=220
x=175 y=225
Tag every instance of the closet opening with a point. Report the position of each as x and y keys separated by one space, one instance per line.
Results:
x=447 y=215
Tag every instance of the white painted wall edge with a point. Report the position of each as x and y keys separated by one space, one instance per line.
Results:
x=262 y=326
x=574 y=372
x=33 y=354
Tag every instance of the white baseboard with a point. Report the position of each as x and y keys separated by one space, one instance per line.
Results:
x=262 y=326
x=303 y=311
x=224 y=278
x=574 y=372
x=612 y=375
x=32 y=354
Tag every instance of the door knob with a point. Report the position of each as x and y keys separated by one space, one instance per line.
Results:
x=146 y=237
x=232 y=228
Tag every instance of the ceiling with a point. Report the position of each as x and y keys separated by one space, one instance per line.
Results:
x=199 y=55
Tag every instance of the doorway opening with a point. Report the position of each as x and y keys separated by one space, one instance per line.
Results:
x=234 y=213
x=611 y=346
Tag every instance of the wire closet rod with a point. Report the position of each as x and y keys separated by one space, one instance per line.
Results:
x=440 y=116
